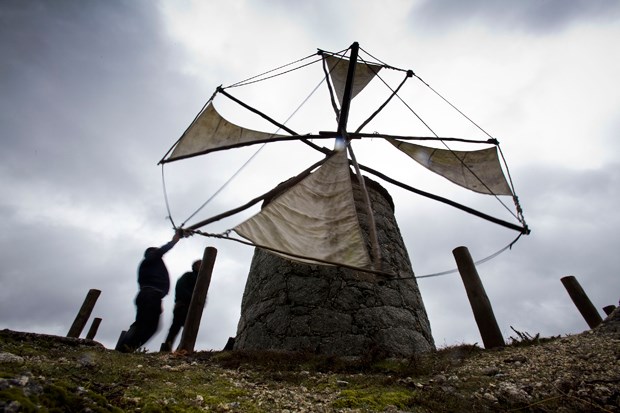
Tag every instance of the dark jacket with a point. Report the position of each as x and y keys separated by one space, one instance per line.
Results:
x=153 y=272
x=185 y=288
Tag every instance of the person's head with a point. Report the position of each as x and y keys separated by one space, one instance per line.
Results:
x=149 y=251
x=196 y=265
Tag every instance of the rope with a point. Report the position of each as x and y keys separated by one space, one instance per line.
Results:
x=163 y=182
x=515 y=198
x=254 y=79
x=392 y=277
x=481 y=261
x=454 y=107
x=385 y=65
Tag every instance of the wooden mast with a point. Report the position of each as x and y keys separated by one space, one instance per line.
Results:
x=342 y=130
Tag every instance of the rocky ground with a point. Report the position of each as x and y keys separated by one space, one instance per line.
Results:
x=577 y=373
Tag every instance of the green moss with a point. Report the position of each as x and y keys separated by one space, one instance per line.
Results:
x=13 y=394
x=57 y=398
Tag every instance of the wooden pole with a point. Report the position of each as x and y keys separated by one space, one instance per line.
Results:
x=120 y=338
x=84 y=313
x=480 y=304
x=199 y=297
x=581 y=300
x=609 y=309
x=92 y=332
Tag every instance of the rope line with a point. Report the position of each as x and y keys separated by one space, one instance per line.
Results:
x=392 y=277
x=247 y=81
x=385 y=65
x=481 y=261
x=163 y=182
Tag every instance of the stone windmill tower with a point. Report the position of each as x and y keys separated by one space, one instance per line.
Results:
x=288 y=305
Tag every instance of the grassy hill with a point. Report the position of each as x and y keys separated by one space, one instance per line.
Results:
x=570 y=374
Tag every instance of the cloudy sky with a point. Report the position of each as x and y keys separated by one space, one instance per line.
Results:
x=92 y=94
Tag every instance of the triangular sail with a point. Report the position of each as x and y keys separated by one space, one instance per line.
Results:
x=338 y=68
x=210 y=132
x=315 y=219
x=479 y=170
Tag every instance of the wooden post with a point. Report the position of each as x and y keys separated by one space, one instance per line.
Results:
x=581 y=300
x=199 y=297
x=480 y=304
x=609 y=309
x=120 y=339
x=92 y=332
x=84 y=313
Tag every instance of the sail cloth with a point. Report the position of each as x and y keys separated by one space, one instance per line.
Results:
x=315 y=219
x=338 y=69
x=211 y=132
x=469 y=169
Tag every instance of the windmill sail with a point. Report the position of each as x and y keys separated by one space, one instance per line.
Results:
x=338 y=68
x=479 y=170
x=211 y=132
x=315 y=219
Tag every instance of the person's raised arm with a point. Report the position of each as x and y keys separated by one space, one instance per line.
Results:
x=178 y=234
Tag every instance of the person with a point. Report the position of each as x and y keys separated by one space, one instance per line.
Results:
x=183 y=292
x=154 y=283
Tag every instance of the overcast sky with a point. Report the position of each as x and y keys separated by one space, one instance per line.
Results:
x=92 y=94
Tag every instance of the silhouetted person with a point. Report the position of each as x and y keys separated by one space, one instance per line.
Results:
x=183 y=292
x=154 y=283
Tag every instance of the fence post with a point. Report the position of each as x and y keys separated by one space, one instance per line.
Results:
x=84 y=313
x=581 y=300
x=196 y=305
x=478 y=299
x=92 y=332
x=609 y=309
x=120 y=338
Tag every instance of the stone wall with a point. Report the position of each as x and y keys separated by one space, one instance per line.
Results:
x=328 y=310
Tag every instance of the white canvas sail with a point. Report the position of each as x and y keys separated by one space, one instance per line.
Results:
x=315 y=219
x=479 y=170
x=338 y=69
x=212 y=132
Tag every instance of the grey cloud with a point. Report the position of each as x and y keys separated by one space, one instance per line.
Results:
x=536 y=16
x=78 y=77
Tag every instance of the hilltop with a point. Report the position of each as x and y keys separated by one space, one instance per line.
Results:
x=569 y=374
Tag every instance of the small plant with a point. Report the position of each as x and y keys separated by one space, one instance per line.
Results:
x=524 y=338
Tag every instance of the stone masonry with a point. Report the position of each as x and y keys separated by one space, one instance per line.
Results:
x=293 y=306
